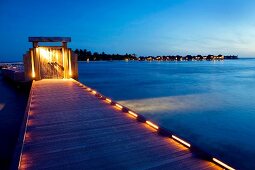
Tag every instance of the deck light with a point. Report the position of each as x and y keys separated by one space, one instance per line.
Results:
x=132 y=113
x=89 y=89
x=152 y=124
x=119 y=106
x=181 y=141
x=108 y=100
x=222 y=164
x=27 y=136
x=94 y=92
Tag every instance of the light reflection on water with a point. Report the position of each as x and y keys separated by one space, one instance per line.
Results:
x=209 y=103
x=171 y=104
x=2 y=106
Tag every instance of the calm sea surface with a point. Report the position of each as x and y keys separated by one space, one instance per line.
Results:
x=210 y=104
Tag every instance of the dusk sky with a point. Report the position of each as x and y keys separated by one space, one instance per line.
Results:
x=143 y=27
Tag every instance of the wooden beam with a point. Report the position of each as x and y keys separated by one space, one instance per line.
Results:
x=49 y=39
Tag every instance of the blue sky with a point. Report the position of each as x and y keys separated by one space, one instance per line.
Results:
x=144 y=27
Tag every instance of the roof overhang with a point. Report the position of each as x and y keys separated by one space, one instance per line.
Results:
x=49 y=39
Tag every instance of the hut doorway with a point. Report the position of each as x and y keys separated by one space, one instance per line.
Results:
x=51 y=63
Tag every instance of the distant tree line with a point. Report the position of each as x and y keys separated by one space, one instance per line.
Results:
x=84 y=55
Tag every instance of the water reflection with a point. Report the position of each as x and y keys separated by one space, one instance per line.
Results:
x=180 y=103
x=2 y=106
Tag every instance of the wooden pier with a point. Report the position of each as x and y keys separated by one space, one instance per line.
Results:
x=68 y=127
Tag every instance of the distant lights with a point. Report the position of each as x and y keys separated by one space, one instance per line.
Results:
x=222 y=164
x=181 y=141
x=94 y=92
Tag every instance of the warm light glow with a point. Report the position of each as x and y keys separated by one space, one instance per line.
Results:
x=119 y=106
x=50 y=54
x=64 y=64
x=27 y=136
x=94 y=92
x=44 y=53
x=70 y=64
x=181 y=141
x=57 y=59
x=222 y=164
x=132 y=113
x=152 y=124
x=33 y=65
x=23 y=158
x=89 y=89
x=108 y=100
x=33 y=74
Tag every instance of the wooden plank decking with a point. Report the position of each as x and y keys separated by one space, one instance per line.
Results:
x=68 y=128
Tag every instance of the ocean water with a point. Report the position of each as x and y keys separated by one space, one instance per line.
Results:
x=209 y=103
x=13 y=100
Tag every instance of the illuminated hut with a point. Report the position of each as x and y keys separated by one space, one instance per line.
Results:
x=50 y=62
